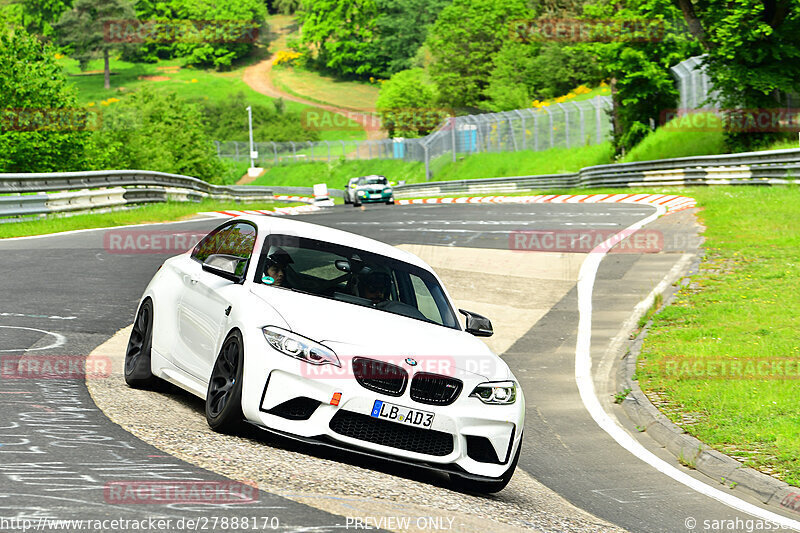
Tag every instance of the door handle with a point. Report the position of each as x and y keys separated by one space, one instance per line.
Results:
x=193 y=281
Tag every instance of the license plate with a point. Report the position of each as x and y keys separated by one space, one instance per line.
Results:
x=402 y=415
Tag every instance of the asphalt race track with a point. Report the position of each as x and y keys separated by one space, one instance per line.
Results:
x=65 y=295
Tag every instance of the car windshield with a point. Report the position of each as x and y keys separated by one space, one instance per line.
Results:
x=372 y=181
x=354 y=276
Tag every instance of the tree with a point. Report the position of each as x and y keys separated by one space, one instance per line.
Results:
x=210 y=33
x=636 y=56
x=463 y=42
x=406 y=103
x=153 y=130
x=83 y=28
x=401 y=27
x=38 y=16
x=753 y=49
x=341 y=33
x=41 y=127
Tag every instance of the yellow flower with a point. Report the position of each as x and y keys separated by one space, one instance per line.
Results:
x=570 y=95
x=371 y=79
x=58 y=56
x=603 y=84
x=104 y=103
x=560 y=99
x=194 y=80
x=90 y=104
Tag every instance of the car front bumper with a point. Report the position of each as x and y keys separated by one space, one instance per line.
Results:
x=459 y=434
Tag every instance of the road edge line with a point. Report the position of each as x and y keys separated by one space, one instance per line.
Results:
x=586 y=388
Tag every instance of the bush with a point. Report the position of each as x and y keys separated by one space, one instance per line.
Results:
x=157 y=131
x=41 y=127
x=406 y=102
x=227 y=121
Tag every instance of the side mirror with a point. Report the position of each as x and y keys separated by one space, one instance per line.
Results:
x=478 y=325
x=230 y=267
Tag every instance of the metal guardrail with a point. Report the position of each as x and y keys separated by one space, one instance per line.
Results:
x=750 y=168
x=37 y=194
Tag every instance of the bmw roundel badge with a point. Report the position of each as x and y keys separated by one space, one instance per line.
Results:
x=410 y=361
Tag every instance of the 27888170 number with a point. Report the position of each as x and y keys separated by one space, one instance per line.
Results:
x=401 y=414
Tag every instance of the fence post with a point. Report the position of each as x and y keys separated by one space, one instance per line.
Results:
x=453 y=136
x=329 y=150
x=294 y=151
x=311 y=146
x=550 y=116
x=275 y=151
x=597 y=119
x=369 y=148
x=566 y=122
x=522 y=121
x=427 y=162
x=583 y=126
x=343 y=150
x=511 y=131
x=535 y=132
x=219 y=153
x=236 y=145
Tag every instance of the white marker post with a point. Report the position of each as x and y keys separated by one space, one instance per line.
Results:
x=253 y=171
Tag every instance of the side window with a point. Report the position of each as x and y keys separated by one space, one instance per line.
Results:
x=425 y=300
x=238 y=240
x=209 y=244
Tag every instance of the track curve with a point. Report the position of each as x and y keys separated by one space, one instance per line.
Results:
x=70 y=285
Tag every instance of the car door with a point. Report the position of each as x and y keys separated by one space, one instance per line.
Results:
x=206 y=298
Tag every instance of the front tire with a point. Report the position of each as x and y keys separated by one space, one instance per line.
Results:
x=224 y=396
x=138 y=372
x=486 y=487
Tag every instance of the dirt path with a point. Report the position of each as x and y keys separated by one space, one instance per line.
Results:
x=259 y=78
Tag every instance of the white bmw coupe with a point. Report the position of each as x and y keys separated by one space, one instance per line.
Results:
x=333 y=339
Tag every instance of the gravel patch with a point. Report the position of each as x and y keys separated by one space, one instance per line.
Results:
x=334 y=481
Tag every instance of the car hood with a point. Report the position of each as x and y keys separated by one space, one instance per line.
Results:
x=353 y=330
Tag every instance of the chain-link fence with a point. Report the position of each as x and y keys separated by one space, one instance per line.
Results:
x=560 y=125
x=694 y=84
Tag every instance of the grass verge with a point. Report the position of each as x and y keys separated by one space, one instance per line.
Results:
x=326 y=89
x=702 y=359
x=165 y=212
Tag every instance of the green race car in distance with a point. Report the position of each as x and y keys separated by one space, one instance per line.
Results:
x=368 y=189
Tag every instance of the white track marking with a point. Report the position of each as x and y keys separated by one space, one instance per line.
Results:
x=583 y=378
x=59 y=340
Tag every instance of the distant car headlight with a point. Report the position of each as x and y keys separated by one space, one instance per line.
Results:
x=299 y=347
x=497 y=393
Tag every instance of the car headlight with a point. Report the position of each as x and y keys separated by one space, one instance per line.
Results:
x=496 y=393
x=299 y=347
x=362 y=193
x=387 y=191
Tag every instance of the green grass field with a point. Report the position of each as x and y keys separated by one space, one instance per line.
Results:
x=740 y=310
x=168 y=211
x=325 y=89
